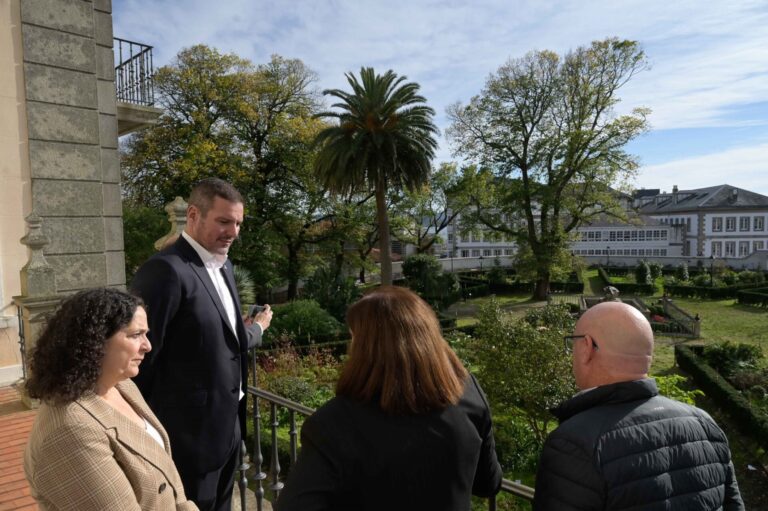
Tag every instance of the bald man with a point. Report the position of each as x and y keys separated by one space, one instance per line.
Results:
x=619 y=444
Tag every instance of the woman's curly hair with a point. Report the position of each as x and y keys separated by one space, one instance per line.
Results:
x=67 y=359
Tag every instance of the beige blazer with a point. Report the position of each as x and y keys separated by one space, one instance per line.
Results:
x=87 y=456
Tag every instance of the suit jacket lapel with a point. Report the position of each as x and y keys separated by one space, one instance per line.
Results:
x=198 y=267
x=130 y=434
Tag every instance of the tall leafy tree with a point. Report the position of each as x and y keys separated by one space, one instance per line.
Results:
x=550 y=146
x=383 y=138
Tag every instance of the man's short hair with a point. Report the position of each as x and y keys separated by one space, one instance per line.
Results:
x=208 y=189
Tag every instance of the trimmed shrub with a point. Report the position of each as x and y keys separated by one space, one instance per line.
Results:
x=727 y=397
x=302 y=321
x=711 y=293
x=757 y=297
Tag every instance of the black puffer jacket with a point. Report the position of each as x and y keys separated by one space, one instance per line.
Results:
x=624 y=447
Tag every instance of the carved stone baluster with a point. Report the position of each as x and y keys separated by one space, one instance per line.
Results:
x=38 y=297
x=177 y=215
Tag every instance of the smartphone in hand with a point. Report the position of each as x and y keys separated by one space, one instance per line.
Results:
x=255 y=309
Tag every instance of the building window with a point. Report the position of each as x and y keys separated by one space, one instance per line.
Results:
x=758 y=223
x=465 y=253
x=507 y=251
x=450 y=237
x=486 y=252
x=730 y=248
x=757 y=245
x=612 y=236
x=475 y=253
x=730 y=223
x=717 y=224
x=497 y=251
x=744 y=248
x=743 y=223
x=663 y=235
x=717 y=248
x=663 y=252
x=687 y=225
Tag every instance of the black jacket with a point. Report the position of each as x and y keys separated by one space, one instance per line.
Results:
x=356 y=457
x=624 y=447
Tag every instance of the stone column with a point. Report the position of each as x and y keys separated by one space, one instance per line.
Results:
x=71 y=116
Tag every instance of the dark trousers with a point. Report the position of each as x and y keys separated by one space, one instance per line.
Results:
x=212 y=491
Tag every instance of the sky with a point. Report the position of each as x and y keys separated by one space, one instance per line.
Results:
x=706 y=84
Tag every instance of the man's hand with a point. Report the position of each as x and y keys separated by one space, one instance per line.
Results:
x=263 y=318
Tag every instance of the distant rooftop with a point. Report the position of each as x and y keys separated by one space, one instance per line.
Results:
x=722 y=197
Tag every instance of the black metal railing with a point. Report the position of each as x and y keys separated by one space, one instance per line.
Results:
x=134 y=73
x=272 y=477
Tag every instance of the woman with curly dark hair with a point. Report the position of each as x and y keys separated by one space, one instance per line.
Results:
x=95 y=444
x=409 y=428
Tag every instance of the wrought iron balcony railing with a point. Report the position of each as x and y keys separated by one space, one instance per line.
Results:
x=271 y=479
x=134 y=73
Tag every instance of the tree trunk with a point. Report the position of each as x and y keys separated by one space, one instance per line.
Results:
x=362 y=275
x=292 y=272
x=385 y=251
x=338 y=261
x=542 y=286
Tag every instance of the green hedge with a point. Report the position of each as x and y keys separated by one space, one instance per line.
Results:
x=727 y=397
x=711 y=293
x=757 y=296
x=626 y=287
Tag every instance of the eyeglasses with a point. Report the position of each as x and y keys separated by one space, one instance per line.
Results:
x=570 y=339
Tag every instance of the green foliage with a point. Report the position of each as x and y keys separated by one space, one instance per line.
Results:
x=246 y=288
x=643 y=273
x=522 y=362
x=655 y=269
x=702 y=279
x=729 y=277
x=302 y=321
x=752 y=421
x=517 y=447
x=751 y=277
x=424 y=275
x=681 y=272
x=422 y=271
x=334 y=293
x=384 y=138
x=142 y=226
x=308 y=378
x=727 y=357
x=497 y=274
x=670 y=386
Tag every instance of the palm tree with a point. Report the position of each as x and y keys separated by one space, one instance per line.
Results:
x=384 y=138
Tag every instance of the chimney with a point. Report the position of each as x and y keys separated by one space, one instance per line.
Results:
x=674 y=194
x=734 y=194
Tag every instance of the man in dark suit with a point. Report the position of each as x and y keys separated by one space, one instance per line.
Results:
x=195 y=377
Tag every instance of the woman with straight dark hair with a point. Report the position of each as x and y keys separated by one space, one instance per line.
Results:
x=409 y=428
x=95 y=444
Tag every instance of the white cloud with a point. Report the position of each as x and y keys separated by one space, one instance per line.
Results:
x=743 y=167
